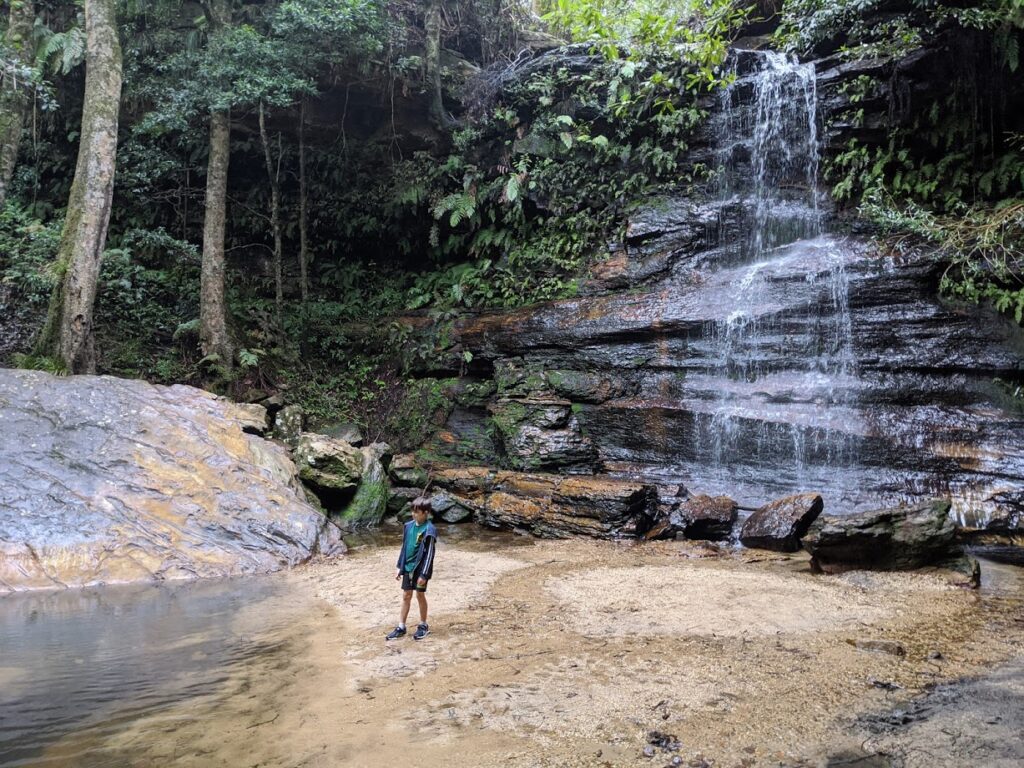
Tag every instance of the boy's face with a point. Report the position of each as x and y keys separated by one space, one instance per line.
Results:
x=419 y=514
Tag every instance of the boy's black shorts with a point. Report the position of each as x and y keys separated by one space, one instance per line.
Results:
x=409 y=582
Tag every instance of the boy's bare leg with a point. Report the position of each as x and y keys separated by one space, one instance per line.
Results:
x=421 y=598
x=406 y=603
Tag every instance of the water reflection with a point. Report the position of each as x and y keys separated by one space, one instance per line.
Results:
x=93 y=660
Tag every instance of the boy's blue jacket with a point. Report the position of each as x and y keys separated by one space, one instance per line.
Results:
x=423 y=557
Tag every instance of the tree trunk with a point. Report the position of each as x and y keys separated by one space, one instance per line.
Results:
x=303 y=209
x=14 y=92
x=69 y=331
x=213 y=330
x=275 y=215
x=432 y=26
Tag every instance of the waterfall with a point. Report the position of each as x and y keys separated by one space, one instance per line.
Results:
x=762 y=360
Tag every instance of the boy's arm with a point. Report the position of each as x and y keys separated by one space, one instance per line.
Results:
x=427 y=570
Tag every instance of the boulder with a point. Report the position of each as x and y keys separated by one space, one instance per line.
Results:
x=347 y=431
x=106 y=480
x=288 y=425
x=450 y=508
x=400 y=500
x=331 y=468
x=371 y=500
x=780 y=524
x=406 y=470
x=710 y=518
x=893 y=539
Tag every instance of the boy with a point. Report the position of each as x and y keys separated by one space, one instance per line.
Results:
x=416 y=566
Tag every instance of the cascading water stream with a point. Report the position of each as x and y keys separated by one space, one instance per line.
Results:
x=769 y=160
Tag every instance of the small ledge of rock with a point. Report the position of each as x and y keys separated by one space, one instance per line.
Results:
x=552 y=506
x=780 y=524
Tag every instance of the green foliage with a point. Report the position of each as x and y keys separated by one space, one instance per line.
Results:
x=27 y=250
x=537 y=183
x=40 y=363
x=983 y=246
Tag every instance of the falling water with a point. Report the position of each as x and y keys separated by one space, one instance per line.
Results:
x=769 y=161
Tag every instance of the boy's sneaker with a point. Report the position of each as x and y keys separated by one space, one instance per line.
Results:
x=396 y=633
x=421 y=631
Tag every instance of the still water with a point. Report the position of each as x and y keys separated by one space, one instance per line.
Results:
x=93 y=661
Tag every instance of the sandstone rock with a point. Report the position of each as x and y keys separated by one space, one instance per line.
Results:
x=106 y=480
x=252 y=418
x=330 y=467
x=288 y=424
x=897 y=539
x=780 y=524
x=705 y=517
x=554 y=506
x=371 y=500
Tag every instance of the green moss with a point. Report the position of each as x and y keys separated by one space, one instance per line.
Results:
x=370 y=502
x=508 y=416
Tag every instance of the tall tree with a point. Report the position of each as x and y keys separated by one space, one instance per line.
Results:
x=432 y=26
x=15 y=87
x=274 y=179
x=68 y=334
x=213 y=330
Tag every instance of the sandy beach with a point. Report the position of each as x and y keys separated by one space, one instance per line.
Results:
x=581 y=653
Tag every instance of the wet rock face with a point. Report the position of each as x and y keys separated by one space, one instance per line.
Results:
x=909 y=405
x=106 y=480
x=901 y=538
x=1005 y=513
x=780 y=524
x=542 y=433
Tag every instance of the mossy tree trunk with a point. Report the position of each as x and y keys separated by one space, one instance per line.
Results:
x=15 y=93
x=68 y=334
x=432 y=26
x=274 y=178
x=213 y=327
x=303 y=209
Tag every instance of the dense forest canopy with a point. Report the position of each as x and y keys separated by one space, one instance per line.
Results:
x=290 y=175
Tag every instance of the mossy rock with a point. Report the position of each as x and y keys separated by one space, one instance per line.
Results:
x=370 y=503
x=326 y=463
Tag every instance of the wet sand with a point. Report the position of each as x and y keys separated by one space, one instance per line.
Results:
x=570 y=653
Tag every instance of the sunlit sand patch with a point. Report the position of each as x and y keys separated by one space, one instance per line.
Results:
x=703 y=601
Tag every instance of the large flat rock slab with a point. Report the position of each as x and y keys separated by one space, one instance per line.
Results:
x=106 y=480
x=553 y=506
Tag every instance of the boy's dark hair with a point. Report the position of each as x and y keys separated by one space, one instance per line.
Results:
x=422 y=502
